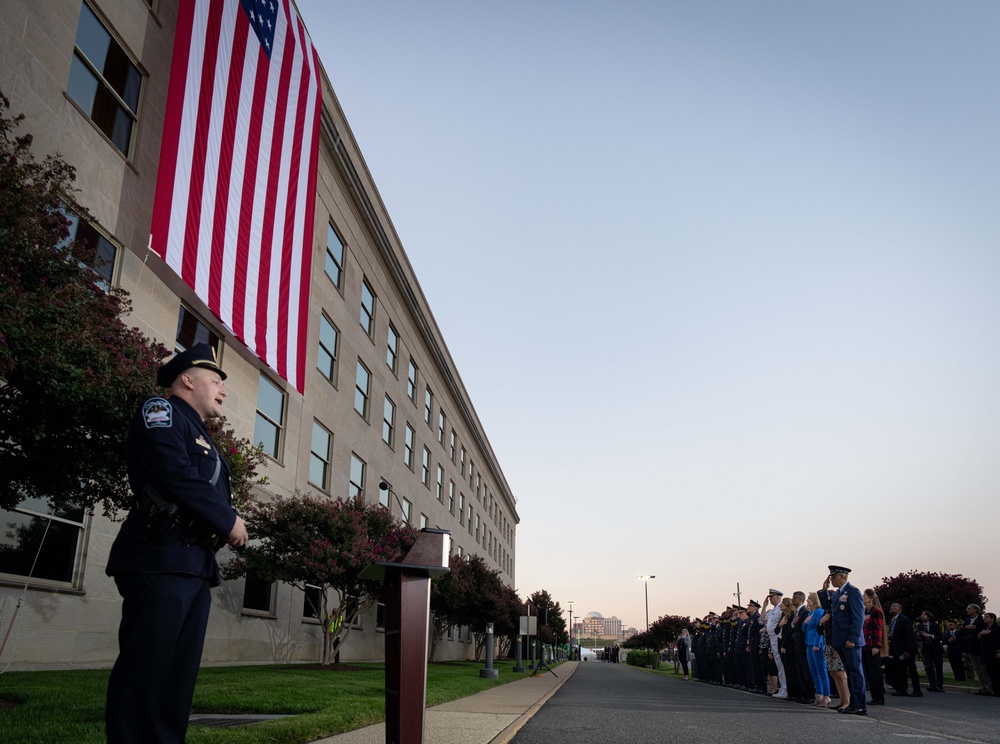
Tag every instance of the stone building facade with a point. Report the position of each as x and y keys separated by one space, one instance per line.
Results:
x=383 y=398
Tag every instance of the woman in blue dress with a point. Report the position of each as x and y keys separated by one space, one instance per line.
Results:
x=816 y=651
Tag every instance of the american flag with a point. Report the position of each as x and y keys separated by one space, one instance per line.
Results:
x=235 y=192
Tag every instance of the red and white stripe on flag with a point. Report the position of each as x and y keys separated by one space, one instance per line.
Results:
x=235 y=191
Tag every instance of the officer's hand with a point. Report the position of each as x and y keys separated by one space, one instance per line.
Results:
x=238 y=535
x=849 y=644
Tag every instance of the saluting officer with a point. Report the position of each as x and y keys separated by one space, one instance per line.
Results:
x=847 y=618
x=164 y=569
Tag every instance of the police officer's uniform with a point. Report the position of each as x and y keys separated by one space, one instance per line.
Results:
x=164 y=578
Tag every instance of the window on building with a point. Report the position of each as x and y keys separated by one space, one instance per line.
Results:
x=334 y=266
x=362 y=390
x=367 y=317
x=408 y=447
x=451 y=497
x=105 y=252
x=312 y=603
x=461 y=508
x=59 y=559
x=428 y=405
x=461 y=463
x=319 y=457
x=442 y=424
x=477 y=528
x=411 y=382
x=425 y=475
x=388 y=421
x=270 y=419
x=383 y=495
x=407 y=507
x=191 y=331
x=453 y=442
x=258 y=595
x=392 y=349
x=472 y=478
x=104 y=82
x=471 y=512
x=440 y=484
x=423 y=521
x=326 y=355
x=357 y=479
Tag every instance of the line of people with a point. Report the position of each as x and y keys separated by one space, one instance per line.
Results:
x=799 y=644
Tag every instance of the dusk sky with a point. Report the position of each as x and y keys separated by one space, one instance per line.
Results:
x=721 y=278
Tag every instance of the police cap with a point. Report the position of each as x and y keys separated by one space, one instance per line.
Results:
x=838 y=569
x=199 y=355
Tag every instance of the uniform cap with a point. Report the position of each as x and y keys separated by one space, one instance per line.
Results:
x=753 y=603
x=775 y=591
x=199 y=355
x=838 y=569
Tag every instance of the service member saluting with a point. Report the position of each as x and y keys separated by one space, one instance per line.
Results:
x=163 y=560
x=847 y=619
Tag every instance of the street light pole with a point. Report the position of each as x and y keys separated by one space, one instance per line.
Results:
x=570 y=634
x=645 y=578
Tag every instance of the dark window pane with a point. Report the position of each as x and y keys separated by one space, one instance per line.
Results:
x=118 y=72
x=20 y=537
x=312 y=603
x=82 y=86
x=92 y=38
x=266 y=433
x=191 y=331
x=257 y=594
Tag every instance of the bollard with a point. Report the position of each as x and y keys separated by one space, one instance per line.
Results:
x=489 y=672
x=518 y=655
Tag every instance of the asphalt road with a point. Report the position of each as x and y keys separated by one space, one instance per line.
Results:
x=611 y=703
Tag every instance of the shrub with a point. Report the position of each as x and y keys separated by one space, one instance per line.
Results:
x=643 y=658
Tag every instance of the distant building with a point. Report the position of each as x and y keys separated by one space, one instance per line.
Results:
x=595 y=625
x=382 y=397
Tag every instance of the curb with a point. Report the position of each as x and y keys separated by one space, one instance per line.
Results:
x=508 y=733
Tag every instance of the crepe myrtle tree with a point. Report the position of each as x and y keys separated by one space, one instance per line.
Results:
x=944 y=595
x=72 y=373
x=473 y=594
x=321 y=542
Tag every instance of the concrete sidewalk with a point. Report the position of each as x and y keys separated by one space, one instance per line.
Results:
x=489 y=717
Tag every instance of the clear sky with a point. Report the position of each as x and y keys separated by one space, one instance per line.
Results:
x=720 y=277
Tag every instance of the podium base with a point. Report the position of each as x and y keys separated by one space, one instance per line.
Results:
x=489 y=673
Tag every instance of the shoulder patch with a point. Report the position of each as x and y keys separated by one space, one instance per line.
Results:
x=158 y=413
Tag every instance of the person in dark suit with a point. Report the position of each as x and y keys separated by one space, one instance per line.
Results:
x=903 y=649
x=847 y=619
x=970 y=646
x=953 y=640
x=163 y=560
x=931 y=651
x=799 y=639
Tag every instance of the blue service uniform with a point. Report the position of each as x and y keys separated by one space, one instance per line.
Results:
x=847 y=621
x=166 y=586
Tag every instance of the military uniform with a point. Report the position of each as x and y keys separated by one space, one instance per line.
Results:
x=165 y=576
x=847 y=618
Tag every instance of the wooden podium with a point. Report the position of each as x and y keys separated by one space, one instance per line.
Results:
x=407 y=623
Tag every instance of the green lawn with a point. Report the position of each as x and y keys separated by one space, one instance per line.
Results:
x=68 y=706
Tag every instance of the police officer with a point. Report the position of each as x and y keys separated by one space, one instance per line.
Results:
x=163 y=560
